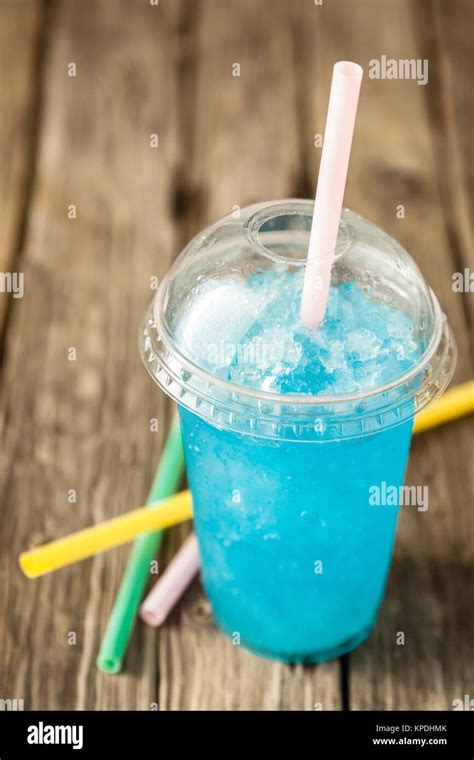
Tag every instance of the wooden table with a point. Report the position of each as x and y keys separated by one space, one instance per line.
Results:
x=91 y=211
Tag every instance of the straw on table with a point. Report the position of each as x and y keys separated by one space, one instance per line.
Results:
x=106 y=535
x=457 y=402
x=173 y=583
x=117 y=635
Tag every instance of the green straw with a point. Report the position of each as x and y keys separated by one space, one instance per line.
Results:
x=120 y=626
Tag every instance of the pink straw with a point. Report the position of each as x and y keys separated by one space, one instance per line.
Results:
x=174 y=581
x=340 y=121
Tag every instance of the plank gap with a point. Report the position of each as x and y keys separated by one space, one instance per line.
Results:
x=188 y=199
x=438 y=97
x=38 y=78
x=305 y=176
x=344 y=662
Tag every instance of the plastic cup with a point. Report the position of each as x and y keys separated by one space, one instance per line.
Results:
x=294 y=555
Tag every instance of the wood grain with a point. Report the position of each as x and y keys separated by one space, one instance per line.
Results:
x=21 y=47
x=394 y=161
x=444 y=33
x=85 y=424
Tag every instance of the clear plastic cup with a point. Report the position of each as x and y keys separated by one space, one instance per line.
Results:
x=294 y=555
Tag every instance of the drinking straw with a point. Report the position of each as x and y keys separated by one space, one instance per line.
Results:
x=174 y=581
x=457 y=402
x=340 y=121
x=106 y=535
x=122 y=618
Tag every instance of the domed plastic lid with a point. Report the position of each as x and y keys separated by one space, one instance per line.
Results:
x=223 y=335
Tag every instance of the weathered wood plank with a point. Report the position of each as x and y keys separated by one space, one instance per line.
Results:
x=21 y=36
x=444 y=33
x=394 y=162
x=85 y=424
x=245 y=148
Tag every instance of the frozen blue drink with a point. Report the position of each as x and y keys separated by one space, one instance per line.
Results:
x=287 y=429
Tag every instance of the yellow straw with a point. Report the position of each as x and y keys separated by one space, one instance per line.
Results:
x=457 y=402
x=106 y=535
x=85 y=543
